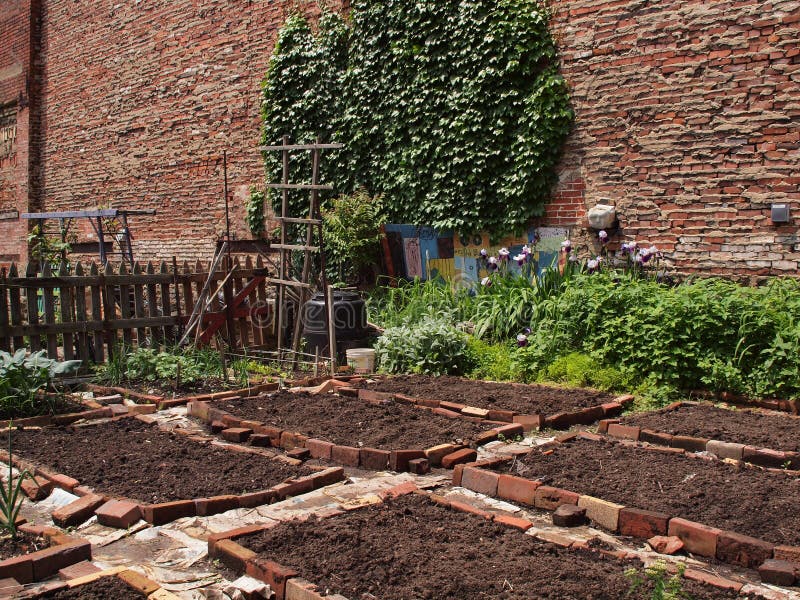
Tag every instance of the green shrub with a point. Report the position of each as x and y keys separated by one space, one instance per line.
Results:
x=489 y=361
x=708 y=333
x=431 y=347
x=581 y=370
x=146 y=364
x=351 y=230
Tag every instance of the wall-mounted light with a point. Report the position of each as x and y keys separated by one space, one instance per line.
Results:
x=780 y=213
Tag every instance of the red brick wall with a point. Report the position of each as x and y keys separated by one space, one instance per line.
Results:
x=142 y=98
x=688 y=119
x=15 y=70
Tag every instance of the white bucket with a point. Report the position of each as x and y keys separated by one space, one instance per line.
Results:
x=362 y=360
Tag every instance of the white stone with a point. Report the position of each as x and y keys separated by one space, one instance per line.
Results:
x=602 y=216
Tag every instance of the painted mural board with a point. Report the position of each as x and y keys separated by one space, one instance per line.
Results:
x=430 y=255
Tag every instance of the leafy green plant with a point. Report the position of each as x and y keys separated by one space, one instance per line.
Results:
x=145 y=364
x=454 y=112
x=10 y=493
x=489 y=361
x=664 y=585
x=351 y=230
x=432 y=347
x=25 y=380
x=254 y=211
x=582 y=370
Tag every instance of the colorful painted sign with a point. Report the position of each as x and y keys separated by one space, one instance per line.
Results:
x=428 y=255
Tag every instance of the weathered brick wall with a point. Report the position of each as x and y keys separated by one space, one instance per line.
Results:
x=688 y=119
x=15 y=56
x=142 y=98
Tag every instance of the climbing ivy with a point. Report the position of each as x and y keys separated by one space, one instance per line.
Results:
x=453 y=112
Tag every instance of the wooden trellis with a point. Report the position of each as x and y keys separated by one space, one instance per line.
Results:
x=300 y=287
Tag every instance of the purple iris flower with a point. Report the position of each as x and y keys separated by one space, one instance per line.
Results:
x=566 y=246
x=522 y=340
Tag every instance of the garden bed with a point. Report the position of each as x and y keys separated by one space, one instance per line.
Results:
x=373 y=434
x=412 y=547
x=745 y=499
x=749 y=427
x=164 y=474
x=535 y=406
x=516 y=397
x=353 y=422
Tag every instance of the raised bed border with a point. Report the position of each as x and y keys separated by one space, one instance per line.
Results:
x=530 y=422
x=120 y=512
x=414 y=460
x=135 y=580
x=703 y=540
x=64 y=551
x=162 y=402
x=763 y=457
x=286 y=584
x=790 y=406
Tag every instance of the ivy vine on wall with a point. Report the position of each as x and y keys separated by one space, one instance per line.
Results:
x=454 y=112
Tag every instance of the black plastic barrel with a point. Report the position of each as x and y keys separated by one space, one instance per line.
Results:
x=349 y=318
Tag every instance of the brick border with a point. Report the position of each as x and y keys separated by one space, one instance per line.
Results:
x=64 y=550
x=120 y=512
x=415 y=460
x=162 y=402
x=133 y=579
x=763 y=457
x=700 y=539
x=530 y=422
x=790 y=406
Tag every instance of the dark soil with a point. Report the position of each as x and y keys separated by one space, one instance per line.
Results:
x=105 y=588
x=742 y=499
x=410 y=548
x=521 y=398
x=354 y=422
x=778 y=432
x=139 y=461
x=24 y=544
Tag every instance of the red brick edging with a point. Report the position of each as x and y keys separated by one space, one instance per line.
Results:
x=560 y=420
x=415 y=460
x=161 y=402
x=790 y=406
x=764 y=457
x=700 y=539
x=64 y=551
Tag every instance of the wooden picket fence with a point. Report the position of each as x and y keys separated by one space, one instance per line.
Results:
x=87 y=312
